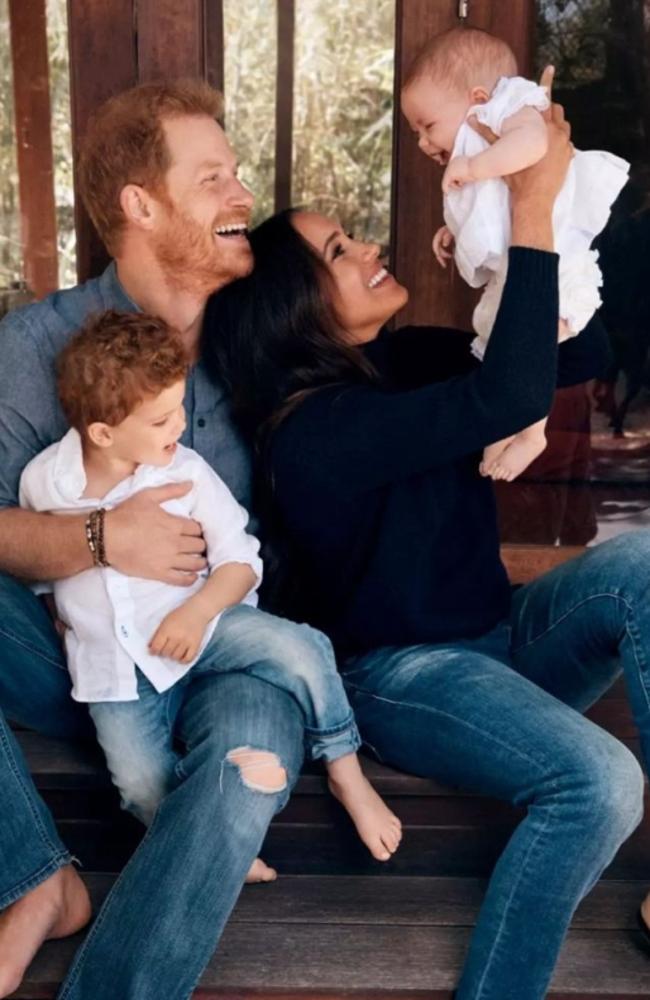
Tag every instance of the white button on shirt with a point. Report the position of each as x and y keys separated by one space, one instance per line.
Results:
x=113 y=617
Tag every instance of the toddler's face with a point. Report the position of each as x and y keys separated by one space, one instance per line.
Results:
x=149 y=434
x=435 y=114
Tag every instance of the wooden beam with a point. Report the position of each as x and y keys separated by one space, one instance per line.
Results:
x=31 y=86
x=284 y=104
x=213 y=43
x=169 y=39
x=102 y=63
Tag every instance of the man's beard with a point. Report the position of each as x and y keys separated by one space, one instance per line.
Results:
x=191 y=258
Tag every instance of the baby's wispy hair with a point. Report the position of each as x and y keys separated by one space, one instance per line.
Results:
x=462 y=58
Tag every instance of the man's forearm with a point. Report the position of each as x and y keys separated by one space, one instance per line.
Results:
x=42 y=546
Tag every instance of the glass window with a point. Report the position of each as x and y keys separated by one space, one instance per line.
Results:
x=593 y=480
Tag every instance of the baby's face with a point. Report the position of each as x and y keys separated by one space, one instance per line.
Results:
x=435 y=113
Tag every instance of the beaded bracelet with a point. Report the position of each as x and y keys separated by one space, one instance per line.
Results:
x=94 y=528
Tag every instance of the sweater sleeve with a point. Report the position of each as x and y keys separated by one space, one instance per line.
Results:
x=366 y=437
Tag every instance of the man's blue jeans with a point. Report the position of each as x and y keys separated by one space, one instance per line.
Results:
x=185 y=876
x=137 y=737
x=500 y=715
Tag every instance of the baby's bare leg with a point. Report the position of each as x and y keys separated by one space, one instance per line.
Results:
x=378 y=827
x=509 y=458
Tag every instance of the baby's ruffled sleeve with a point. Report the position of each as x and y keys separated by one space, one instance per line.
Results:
x=511 y=94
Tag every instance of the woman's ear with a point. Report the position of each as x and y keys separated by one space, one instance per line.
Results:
x=479 y=95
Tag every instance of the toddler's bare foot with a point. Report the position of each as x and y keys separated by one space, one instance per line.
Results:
x=378 y=827
x=260 y=872
x=56 y=908
x=515 y=458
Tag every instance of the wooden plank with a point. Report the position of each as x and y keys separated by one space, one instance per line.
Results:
x=102 y=63
x=284 y=104
x=169 y=39
x=376 y=960
x=526 y=562
x=31 y=87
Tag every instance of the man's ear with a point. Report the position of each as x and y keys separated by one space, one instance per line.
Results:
x=101 y=435
x=479 y=95
x=137 y=206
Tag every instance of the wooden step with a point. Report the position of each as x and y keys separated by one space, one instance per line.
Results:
x=447 y=832
x=380 y=937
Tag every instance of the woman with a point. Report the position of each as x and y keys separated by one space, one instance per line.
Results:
x=369 y=450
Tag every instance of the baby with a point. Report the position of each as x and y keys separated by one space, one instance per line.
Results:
x=466 y=72
x=133 y=643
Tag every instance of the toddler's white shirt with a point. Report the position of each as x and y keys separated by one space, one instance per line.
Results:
x=113 y=617
x=478 y=214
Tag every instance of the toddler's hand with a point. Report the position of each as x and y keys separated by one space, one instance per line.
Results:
x=443 y=245
x=457 y=174
x=179 y=635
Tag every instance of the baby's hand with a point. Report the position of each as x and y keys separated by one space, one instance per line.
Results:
x=457 y=174
x=443 y=245
x=179 y=634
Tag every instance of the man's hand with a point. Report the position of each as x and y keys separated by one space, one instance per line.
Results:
x=457 y=174
x=142 y=539
x=179 y=634
x=443 y=245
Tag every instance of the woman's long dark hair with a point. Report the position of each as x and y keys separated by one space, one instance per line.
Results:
x=272 y=338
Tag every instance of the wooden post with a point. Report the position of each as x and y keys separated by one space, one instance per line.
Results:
x=213 y=43
x=102 y=63
x=169 y=39
x=437 y=296
x=29 y=56
x=284 y=104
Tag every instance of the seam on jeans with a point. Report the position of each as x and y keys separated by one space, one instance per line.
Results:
x=8 y=634
x=479 y=989
x=637 y=652
x=27 y=884
x=572 y=610
x=13 y=764
x=74 y=971
x=429 y=710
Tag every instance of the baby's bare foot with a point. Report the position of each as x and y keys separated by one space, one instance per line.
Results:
x=516 y=457
x=260 y=872
x=378 y=827
x=56 y=908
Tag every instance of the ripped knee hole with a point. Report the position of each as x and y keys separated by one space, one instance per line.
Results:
x=260 y=770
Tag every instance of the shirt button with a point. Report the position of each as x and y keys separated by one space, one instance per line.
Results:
x=200 y=422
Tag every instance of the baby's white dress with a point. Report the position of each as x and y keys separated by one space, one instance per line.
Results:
x=478 y=215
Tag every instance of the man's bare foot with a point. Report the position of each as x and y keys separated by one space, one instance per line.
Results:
x=260 y=872
x=645 y=910
x=56 y=908
x=517 y=456
x=378 y=827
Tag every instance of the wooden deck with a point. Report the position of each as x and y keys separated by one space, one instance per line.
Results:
x=338 y=925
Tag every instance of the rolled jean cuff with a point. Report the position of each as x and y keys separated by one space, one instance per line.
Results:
x=35 y=878
x=330 y=744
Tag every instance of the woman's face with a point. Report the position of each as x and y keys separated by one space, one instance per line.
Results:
x=365 y=294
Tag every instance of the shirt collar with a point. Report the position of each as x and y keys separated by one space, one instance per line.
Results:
x=112 y=292
x=69 y=472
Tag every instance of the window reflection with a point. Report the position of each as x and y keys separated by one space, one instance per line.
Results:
x=593 y=481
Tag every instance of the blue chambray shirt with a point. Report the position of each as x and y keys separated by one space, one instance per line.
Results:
x=31 y=417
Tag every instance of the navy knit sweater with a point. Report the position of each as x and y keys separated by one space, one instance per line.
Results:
x=378 y=485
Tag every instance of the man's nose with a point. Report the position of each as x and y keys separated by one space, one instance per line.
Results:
x=241 y=196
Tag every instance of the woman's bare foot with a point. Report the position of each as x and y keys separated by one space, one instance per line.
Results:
x=378 y=827
x=260 y=872
x=645 y=910
x=56 y=908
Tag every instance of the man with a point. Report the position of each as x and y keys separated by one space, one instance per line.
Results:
x=160 y=182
